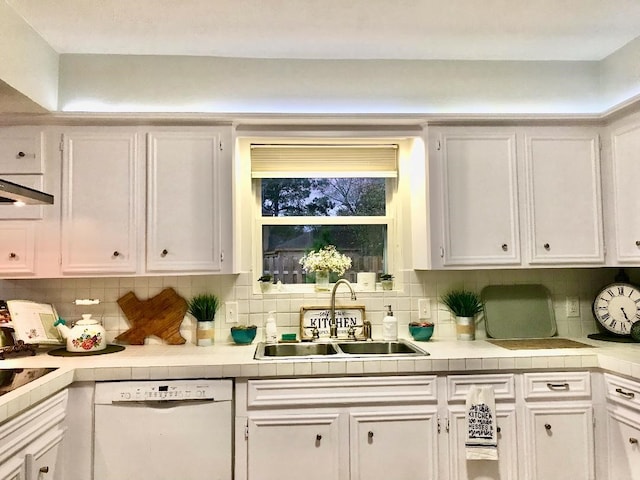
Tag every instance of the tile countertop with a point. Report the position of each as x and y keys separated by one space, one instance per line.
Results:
x=156 y=362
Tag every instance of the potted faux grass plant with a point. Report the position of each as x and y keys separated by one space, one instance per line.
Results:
x=465 y=305
x=203 y=307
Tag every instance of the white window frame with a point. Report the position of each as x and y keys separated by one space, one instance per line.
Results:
x=408 y=239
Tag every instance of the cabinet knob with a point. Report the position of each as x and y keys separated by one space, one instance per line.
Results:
x=633 y=441
x=547 y=247
x=116 y=253
x=164 y=253
x=498 y=429
x=44 y=469
x=637 y=243
x=547 y=426
x=21 y=155
x=318 y=437
x=370 y=435
x=505 y=247
x=13 y=255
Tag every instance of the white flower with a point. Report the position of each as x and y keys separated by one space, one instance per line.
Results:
x=327 y=258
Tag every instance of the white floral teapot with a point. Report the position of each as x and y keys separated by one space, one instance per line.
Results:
x=87 y=335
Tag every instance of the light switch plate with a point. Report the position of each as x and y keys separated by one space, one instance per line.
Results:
x=573 y=307
x=231 y=312
x=424 y=308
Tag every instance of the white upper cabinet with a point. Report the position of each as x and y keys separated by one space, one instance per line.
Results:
x=497 y=192
x=101 y=201
x=185 y=200
x=477 y=174
x=21 y=150
x=563 y=195
x=625 y=200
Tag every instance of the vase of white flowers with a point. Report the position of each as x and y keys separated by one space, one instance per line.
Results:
x=322 y=262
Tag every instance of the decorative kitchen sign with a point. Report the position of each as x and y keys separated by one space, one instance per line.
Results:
x=312 y=318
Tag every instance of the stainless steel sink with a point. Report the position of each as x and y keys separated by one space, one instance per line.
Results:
x=294 y=350
x=380 y=348
x=336 y=350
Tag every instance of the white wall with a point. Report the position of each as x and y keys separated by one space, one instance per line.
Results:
x=620 y=74
x=27 y=63
x=117 y=83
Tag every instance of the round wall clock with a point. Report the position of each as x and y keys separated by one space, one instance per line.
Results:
x=617 y=307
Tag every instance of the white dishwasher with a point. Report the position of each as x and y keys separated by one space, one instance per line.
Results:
x=163 y=430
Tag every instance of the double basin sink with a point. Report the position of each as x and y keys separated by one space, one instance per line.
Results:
x=338 y=349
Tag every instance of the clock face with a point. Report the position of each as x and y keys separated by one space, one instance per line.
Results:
x=617 y=307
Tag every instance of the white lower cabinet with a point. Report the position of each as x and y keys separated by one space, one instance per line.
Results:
x=294 y=446
x=622 y=439
x=31 y=441
x=506 y=467
x=393 y=444
x=337 y=428
x=558 y=426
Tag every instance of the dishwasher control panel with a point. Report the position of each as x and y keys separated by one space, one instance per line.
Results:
x=173 y=390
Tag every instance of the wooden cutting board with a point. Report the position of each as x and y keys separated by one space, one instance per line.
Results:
x=160 y=316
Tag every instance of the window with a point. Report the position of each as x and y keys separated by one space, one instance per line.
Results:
x=309 y=196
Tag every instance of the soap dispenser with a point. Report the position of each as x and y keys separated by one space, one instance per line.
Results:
x=389 y=326
x=270 y=328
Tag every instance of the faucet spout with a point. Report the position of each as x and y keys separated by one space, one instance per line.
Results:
x=333 y=327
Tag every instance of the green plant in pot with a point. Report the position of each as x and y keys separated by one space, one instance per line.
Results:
x=265 y=282
x=203 y=308
x=465 y=305
x=386 y=281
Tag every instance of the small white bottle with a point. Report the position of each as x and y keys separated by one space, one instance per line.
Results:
x=270 y=328
x=389 y=326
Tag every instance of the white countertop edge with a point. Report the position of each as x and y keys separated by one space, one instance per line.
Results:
x=162 y=362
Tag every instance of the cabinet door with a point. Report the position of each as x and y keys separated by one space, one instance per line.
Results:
x=563 y=180
x=294 y=447
x=625 y=145
x=13 y=469
x=183 y=218
x=559 y=441
x=398 y=445
x=42 y=455
x=479 y=198
x=17 y=248
x=100 y=202
x=623 y=437
x=21 y=150
x=505 y=468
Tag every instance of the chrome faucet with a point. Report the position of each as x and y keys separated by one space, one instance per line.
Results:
x=333 y=327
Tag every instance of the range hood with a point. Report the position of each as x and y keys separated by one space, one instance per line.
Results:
x=12 y=192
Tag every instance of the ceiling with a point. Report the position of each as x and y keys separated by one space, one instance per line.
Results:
x=338 y=29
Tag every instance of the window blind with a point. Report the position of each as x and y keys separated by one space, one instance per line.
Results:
x=324 y=161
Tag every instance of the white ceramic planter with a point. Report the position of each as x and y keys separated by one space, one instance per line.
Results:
x=205 y=334
x=466 y=328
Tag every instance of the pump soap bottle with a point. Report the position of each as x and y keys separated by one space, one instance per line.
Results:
x=389 y=326
x=270 y=329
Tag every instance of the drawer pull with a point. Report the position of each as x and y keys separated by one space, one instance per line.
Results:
x=44 y=469
x=558 y=386
x=547 y=427
x=633 y=441
x=625 y=394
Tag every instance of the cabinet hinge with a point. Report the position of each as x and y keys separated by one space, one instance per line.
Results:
x=447 y=427
x=438 y=145
x=599 y=145
x=246 y=430
x=61 y=146
x=222 y=256
x=438 y=424
x=220 y=146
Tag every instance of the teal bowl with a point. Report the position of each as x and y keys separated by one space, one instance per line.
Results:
x=243 y=336
x=421 y=333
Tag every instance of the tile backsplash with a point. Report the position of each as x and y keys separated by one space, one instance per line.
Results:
x=411 y=286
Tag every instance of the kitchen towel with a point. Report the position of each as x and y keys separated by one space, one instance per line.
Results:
x=481 y=433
